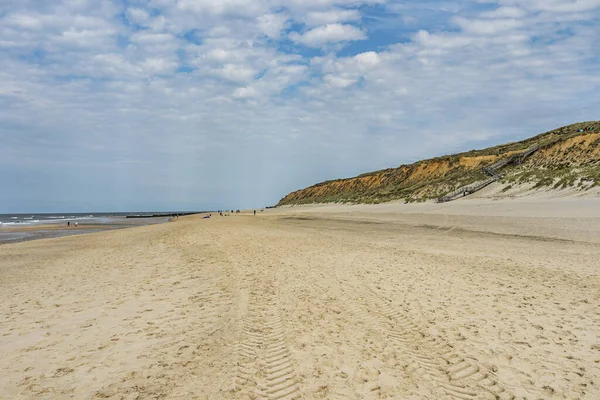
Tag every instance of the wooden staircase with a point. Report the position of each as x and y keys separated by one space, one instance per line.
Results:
x=492 y=172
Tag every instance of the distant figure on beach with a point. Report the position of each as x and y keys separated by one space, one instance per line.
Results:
x=76 y=224
x=254 y=212
x=68 y=223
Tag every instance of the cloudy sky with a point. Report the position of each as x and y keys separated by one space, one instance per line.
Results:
x=196 y=104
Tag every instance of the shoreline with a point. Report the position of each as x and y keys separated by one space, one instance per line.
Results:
x=17 y=234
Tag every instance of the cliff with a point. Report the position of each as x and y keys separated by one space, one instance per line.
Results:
x=568 y=156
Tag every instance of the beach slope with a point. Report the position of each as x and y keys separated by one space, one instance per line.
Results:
x=496 y=300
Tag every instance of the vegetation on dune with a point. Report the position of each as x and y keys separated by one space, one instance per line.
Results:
x=568 y=157
x=557 y=177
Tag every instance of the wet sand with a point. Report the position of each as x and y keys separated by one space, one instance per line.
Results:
x=15 y=234
x=480 y=301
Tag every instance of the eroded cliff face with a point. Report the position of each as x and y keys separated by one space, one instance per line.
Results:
x=389 y=183
x=581 y=150
x=427 y=179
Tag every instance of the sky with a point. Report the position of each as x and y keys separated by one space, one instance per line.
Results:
x=152 y=105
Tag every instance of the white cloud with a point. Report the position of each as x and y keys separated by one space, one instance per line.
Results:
x=315 y=18
x=244 y=7
x=244 y=92
x=86 y=38
x=235 y=73
x=272 y=24
x=442 y=42
x=505 y=12
x=24 y=21
x=325 y=4
x=338 y=81
x=208 y=100
x=488 y=27
x=368 y=59
x=151 y=38
x=331 y=33
x=137 y=15
x=557 y=6
x=220 y=55
x=158 y=65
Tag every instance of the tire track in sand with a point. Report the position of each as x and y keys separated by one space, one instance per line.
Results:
x=265 y=368
x=431 y=358
x=438 y=367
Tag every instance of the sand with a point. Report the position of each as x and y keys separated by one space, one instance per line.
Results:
x=22 y=233
x=466 y=300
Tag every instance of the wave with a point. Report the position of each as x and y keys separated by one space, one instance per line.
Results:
x=28 y=222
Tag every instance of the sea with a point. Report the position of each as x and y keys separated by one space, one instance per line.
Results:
x=81 y=218
x=86 y=223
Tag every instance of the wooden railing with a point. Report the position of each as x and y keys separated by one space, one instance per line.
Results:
x=492 y=172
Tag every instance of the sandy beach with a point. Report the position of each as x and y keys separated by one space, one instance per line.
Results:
x=475 y=299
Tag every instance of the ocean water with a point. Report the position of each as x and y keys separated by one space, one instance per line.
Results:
x=56 y=218
x=35 y=219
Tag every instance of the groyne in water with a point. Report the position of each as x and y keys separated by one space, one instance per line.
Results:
x=158 y=215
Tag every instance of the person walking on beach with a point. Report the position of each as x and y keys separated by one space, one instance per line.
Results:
x=254 y=212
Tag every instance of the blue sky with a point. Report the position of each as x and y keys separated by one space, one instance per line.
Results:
x=113 y=105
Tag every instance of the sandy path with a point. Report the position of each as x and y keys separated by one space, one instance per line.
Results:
x=281 y=307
